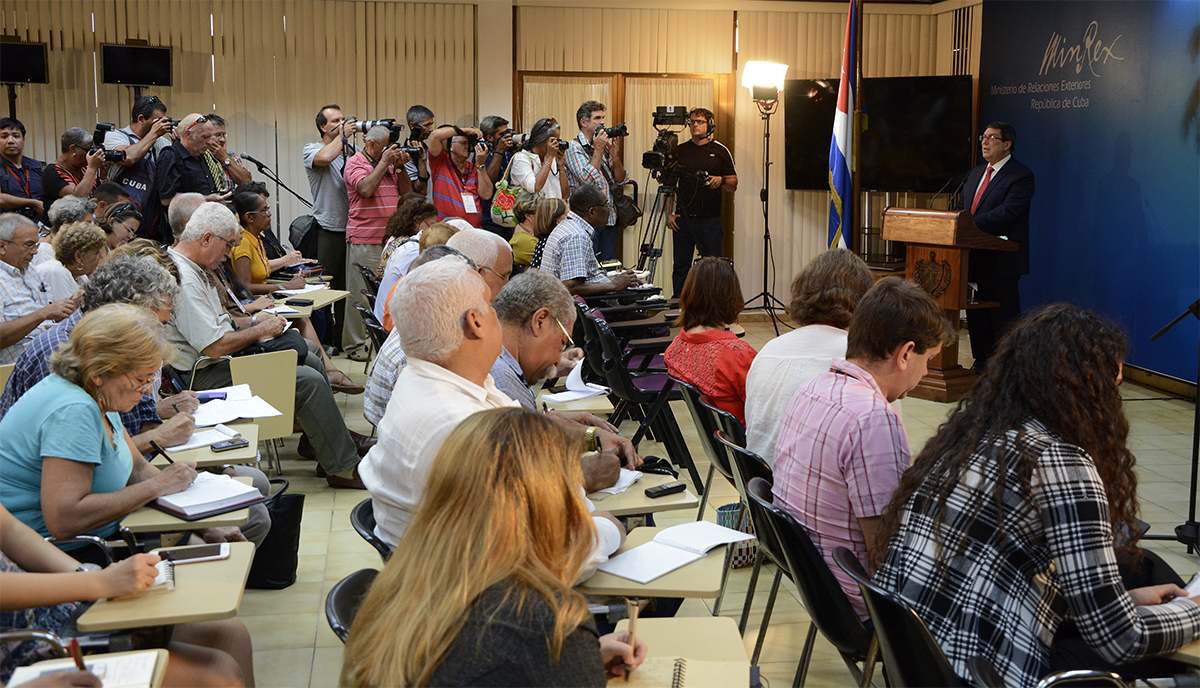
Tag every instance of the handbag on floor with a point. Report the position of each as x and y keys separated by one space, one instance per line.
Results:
x=737 y=517
x=276 y=560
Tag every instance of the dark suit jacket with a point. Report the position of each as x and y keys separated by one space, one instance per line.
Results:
x=1003 y=211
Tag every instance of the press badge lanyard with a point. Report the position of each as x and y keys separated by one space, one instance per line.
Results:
x=23 y=182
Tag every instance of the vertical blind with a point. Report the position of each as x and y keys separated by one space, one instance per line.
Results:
x=275 y=62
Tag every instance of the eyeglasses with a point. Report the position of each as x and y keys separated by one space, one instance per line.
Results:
x=570 y=342
x=989 y=137
x=140 y=385
x=506 y=276
x=199 y=120
x=699 y=121
x=259 y=212
x=231 y=243
x=27 y=245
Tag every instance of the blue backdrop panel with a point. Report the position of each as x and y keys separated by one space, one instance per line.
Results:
x=1103 y=95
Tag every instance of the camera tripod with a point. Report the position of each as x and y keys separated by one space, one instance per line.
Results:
x=654 y=231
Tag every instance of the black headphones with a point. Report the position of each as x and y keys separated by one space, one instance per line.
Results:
x=708 y=117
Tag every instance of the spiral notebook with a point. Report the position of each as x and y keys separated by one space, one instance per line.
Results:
x=681 y=672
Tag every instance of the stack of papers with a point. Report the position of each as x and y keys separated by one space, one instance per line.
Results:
x=238 y=403
x=210 y=492
x=281 y=310
x=576 y=388
x=307 y=288
x=670 y=549
x=206 y=438
x=625 y=481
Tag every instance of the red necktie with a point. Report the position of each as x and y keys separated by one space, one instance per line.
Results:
x=982 y=188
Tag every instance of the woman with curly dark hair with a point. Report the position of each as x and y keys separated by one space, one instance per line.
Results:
x=1006 y=533
x=412 y=216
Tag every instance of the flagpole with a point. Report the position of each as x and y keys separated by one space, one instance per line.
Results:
x=854 y=203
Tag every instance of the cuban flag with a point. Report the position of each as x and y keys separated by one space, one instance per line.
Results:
x=840 y=148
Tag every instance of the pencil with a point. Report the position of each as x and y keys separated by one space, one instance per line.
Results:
x=632 y=606
x=74 y=649
x=160 y=450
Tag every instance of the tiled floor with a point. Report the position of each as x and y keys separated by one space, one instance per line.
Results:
x=294 y=646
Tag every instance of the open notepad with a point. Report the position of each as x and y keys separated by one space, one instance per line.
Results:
x=238 y=403
x=680 y=672
x=205 y=438
x=670 y=549
x=126 y=670
x=576 y=388
x=1193 y=586
x=208 y=495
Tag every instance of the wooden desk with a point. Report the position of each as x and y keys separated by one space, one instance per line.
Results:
x=160 y=663
x=634 y=500
x=714 y=638
x=148 y=520
x=207 y=591
x=1188 y=654
x=320 y=299
x=205 y=456
x=698 y=579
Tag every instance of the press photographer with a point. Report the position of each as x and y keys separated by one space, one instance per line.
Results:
x=420 y=126
x=499 y=140
x=706 y=170
x=457 y=162
x=593 y=159
x=141 y=141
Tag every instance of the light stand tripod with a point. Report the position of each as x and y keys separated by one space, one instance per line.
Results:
x=1189 y=532
x=654 y=231
x=766 y=108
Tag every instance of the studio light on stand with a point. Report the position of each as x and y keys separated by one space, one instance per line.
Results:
x=765 y=81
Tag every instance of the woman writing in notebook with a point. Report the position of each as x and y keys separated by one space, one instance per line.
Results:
x=43 y=586
x=67 y=465
x=1013 y=533
x=479 y=592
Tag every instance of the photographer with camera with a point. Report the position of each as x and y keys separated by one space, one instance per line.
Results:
x=458 y=164
x=420 y=126
x=141 y=142
x=538 y=166
x=76 y=172
x=375 y=181
x=501 y=148
x=708 y=171
x=592 y=158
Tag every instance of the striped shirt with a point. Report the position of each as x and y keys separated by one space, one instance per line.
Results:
x=839 y=457
x=449 y=185
x=369 y=214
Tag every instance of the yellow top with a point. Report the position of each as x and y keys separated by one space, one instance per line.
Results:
x=523 y=244
x=252 y=248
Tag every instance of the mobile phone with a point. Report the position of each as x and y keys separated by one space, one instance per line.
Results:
x=209 y=396
x=665 y=489
x=192 y=555
x=299 y=302
x=228 y=445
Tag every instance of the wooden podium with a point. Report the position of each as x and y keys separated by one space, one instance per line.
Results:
x=939 y=243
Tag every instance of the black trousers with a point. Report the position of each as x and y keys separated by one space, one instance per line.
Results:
x=988 y=324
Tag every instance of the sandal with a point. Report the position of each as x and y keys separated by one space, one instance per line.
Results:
x=340 y=382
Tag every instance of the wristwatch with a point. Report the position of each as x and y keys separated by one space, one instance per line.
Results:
x=83 y=568
x=227 y=162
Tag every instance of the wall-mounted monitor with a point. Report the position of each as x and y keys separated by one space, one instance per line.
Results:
x=135 y=65
x=23 y=63
x=919 y=132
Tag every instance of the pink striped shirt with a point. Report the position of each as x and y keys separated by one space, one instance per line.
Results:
x=839 y=457
x=369 y=214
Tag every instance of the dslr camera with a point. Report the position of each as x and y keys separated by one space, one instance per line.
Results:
x=616 y=132
x=102 y=128
x=363 y=126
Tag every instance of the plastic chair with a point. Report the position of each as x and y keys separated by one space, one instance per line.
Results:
x=272 y=376
x=341 y=605
x=822 y=595
x=745 y=465
x=706 y=424
x=370 y=278
x=362 y=517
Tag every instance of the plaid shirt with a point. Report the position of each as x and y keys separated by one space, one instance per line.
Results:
x=1005 y=596
x=569 y=254
x=21 y=292
x=389 y=363
x=580 y=171
x=34 y=364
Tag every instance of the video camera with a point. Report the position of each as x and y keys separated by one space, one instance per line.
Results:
x=102 y=128
x=363 y=126
x=662 y=159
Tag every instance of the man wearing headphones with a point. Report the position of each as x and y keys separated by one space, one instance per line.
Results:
x=707 y=171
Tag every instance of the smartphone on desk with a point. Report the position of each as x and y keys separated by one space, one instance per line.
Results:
x=209 y=396
x=299 y=302
x=230 y=445
x=665 y=489
x=193 y=555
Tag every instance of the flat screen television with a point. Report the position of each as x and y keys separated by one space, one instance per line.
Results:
x=919 y=132
x=23 y=63
x=135 y=65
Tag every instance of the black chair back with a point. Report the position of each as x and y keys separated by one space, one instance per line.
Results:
x=706 y=424
x=911 y=655
x=820 y=592
x=375 y=328
x=728 y=422
x=341 y=605
x=744 y=464
x=362 y=517
x=369 y=277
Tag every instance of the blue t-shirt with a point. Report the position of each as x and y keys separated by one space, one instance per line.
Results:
x=57 y=418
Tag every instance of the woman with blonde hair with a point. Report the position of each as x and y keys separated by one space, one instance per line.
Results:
x=479 y=591
x=79 y=248
x=550 y=213
x=523 y=240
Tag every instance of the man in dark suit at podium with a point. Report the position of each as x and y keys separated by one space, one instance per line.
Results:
x=997 y=192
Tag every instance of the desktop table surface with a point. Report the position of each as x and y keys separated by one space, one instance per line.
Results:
x=713 y=638
x=204 y=591
x=701 y=578
x=1188 y=654
x=205 y=456
x=320 y=299
x=634 y=500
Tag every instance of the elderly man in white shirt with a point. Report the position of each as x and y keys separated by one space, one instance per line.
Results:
x=451 y=337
